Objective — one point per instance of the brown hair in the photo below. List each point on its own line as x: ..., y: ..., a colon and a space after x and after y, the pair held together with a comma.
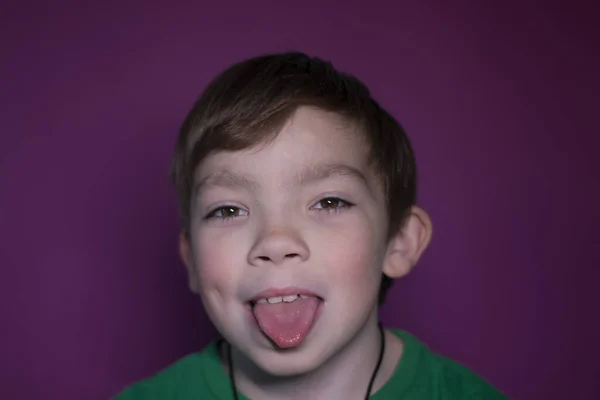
x: 249, y: 102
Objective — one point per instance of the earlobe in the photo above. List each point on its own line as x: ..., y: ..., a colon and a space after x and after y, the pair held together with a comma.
x: 185, y: 253
x: 407, y: 246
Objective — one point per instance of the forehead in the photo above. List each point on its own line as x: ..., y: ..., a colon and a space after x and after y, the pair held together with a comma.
x: 312, y: 146
x: 311, y: 139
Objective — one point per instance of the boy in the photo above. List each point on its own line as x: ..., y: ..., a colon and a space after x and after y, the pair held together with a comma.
x: 297, y: 199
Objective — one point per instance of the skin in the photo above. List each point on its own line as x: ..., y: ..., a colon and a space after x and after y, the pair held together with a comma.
x: 277, y: 216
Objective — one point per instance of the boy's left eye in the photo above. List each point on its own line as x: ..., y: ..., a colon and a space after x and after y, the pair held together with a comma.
x: 331, y: 204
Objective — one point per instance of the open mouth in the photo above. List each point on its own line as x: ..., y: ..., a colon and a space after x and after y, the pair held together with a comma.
x: 280, y: 299
x: 288, y: 319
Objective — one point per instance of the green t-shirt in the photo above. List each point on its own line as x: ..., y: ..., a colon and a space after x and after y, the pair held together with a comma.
x: 420, y: 375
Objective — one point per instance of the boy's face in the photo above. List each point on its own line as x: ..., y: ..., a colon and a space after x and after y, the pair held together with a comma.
x: 305, y: 211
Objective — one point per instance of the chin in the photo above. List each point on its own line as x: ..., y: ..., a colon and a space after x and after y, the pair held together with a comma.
x: 289, y: 363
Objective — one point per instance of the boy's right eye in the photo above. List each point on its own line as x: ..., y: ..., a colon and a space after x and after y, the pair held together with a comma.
x: 226, y: 212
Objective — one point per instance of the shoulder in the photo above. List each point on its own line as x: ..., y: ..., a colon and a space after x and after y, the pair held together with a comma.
x: 459, y: 382
x: 441, y: 377
x: 182, y: 379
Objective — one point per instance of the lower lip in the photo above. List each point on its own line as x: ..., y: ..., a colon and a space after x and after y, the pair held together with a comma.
x: 250, y: 315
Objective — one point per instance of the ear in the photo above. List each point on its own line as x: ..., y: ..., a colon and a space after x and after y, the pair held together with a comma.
x: 185, y: 252
x: 407, y: 245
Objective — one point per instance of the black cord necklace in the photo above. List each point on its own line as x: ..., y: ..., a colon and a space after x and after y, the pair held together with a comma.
x: 369, y: 388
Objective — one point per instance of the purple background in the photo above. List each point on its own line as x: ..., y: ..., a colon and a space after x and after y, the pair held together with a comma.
x: 500, y: 102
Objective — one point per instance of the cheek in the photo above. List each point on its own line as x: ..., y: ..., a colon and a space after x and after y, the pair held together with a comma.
x: 352, y: 259
x: 214, y: 260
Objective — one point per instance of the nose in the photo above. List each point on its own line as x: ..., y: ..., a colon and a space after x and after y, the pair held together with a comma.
x: 277, y: 247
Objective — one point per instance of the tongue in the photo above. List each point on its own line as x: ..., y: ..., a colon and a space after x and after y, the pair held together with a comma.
x: 287, y: 324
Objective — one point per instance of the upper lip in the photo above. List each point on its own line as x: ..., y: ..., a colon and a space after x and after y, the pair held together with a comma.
x: 280, y: 292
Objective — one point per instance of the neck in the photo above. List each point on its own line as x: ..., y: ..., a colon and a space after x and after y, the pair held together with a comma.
x: 345, y: 375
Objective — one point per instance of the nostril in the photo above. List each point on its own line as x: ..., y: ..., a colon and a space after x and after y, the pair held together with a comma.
x: 269, y: 259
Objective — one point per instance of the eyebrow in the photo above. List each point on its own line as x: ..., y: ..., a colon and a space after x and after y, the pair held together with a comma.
x: 230, y: 180
x: 323, y: 171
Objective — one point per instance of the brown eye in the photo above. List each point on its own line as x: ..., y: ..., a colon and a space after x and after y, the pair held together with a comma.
x: 227, y: 212
x: 331, y: 204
